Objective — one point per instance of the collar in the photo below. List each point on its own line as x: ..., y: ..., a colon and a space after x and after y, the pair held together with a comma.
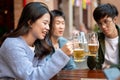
x: 101, y: 38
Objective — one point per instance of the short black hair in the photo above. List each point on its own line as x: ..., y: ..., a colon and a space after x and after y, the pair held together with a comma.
x: 103, y: 10
x: 56, y: 13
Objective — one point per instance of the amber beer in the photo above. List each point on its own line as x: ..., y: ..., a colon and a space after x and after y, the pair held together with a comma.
x: 78, y: 55
x: 93, y: 48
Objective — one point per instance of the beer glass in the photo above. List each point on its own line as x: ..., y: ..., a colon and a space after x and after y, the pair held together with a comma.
x: 93, y: 43
x: 78, y: 48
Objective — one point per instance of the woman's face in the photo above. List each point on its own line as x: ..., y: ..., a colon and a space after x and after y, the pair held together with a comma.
x: 58, y: 26
x: 41, y: 27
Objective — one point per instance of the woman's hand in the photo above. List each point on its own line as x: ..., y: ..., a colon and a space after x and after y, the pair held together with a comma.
x: 68, y: 48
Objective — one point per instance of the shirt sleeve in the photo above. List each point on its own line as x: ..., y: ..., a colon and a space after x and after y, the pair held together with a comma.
x: 20, y: 63
x: 70, y: 65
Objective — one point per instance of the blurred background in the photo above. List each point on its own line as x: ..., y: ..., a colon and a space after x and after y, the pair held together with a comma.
x: 78, y: 13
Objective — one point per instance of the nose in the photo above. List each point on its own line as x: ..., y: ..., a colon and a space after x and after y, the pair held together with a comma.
x: 47, y: 27
x: 62, y: 26
x: 103, y: 26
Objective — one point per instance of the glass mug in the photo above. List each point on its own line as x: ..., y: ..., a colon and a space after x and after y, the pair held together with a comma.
x: 78, y: 48
x: 93, y: 43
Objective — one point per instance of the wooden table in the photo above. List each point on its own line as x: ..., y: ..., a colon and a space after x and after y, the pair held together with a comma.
x: 84, y: 74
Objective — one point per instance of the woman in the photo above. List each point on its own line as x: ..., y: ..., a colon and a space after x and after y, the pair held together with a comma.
x: 17, y: 57
x: 55, y: 38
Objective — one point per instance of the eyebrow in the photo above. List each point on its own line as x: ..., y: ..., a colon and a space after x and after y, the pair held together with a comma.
x: 46, y: 20
x: 104, y: 19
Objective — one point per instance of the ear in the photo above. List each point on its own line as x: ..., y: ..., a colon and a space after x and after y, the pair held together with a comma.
x: 29, y: 22
x: 115, y: 19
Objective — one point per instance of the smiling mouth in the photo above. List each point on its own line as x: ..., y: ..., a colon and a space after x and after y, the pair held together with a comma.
x: 45, y: 32
x: 105, y: 30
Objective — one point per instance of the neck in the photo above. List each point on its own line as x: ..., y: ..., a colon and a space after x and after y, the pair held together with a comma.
x: 115, y: 34
x: 29, y: 39
x: 55, y: 42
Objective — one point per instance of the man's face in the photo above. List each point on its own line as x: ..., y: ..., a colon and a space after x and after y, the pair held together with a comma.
x: 58, y: 26
x: 107, y: 25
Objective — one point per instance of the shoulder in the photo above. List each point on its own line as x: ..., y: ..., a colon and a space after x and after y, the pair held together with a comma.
x: 13, y: 42
x: 15, y: 46
x: 63, y: 39
x: 100, y: 35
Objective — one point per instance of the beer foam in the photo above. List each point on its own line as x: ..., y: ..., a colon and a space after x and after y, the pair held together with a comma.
x: 93, y: 44
x: 78, y: 49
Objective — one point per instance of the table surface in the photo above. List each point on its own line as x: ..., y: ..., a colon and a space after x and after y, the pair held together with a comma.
x: 80, y: 74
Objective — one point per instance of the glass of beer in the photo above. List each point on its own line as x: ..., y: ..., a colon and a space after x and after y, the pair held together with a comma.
x: 78, y: 48
x: 93, y: 43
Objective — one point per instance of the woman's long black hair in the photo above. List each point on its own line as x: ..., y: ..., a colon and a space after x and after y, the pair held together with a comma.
x: 31, y: 12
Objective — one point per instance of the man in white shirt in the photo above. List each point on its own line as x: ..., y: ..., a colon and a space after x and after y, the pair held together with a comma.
x: 109, y: 53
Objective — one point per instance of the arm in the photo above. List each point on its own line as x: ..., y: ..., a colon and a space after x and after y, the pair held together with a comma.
x: 20, y: 62
x: 95, y: 62
x: 101, y: 51
x: 115, y: 65
x: 70, y: 65
x: 99, y: 59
